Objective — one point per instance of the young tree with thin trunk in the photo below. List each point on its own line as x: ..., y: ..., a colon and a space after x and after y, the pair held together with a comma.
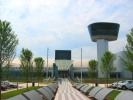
x: 26, y: 64
x: 8, y: 44
x: 7, y: 69
x: 128, y: 61
x: 107, y: 65
x: 39, y: 65
x: 92, y: 69
x: 8, y: 66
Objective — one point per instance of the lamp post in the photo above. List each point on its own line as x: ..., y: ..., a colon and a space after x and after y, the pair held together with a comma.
x: 47, y: 64
x: 81, y: 65
x: 17, y: 81
x: 32, y: 76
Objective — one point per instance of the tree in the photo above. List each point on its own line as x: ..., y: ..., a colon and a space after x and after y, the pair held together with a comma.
x: 128, y: 62
x: 7, y: 68
x: 8, y: 43
x: 39, y: 63
x: 26, y: 64
x: 92, y: 69
x: 107, y: 65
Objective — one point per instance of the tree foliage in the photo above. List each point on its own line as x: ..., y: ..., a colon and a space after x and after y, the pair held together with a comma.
x: 7, y: 69
x: 26, y: 64
x: 128, y: 62
x: 92, y: 69
x: 39, y: 65
x: 8, y: 43
x: 107, y: 65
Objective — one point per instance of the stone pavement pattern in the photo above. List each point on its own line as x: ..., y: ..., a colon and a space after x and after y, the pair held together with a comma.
x: 67, y: 92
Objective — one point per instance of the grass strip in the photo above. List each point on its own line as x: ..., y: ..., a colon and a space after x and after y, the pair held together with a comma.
x: 113, y: 94
x: 10, y: 94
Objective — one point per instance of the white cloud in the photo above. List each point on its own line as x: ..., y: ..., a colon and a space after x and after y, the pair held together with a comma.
x: 88, y: 52
x: 62, y: 24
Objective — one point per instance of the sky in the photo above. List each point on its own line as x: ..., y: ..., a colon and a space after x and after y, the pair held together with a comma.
x: 62, y: 25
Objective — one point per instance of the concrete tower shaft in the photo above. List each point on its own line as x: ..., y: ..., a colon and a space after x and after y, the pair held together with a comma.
x: 102, y: 32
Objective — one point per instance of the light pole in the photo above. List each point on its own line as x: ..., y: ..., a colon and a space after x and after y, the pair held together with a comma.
x: 47, y: 64
x: 81, y: 65
x: 32, y: 75
x: 17, y: 81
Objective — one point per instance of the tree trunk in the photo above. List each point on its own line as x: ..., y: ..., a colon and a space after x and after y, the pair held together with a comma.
x: 93, y: 82
x: 7, y: 77
x: 0, y: 78
x: 107, y: 82
x: 0, y: 84
x: 132, y: 75
x: 27, y: 84
x: 38, y: 81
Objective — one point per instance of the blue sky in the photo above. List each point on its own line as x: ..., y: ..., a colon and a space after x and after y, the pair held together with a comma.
x: 62, y: 24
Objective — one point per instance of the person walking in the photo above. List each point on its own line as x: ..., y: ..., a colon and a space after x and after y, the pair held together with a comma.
x: 60, y: 80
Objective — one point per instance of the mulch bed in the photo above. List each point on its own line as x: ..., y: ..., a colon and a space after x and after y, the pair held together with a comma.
x: 108, y: 99
x: 91, y: 98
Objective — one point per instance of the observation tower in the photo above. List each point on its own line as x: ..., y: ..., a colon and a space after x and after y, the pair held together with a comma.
x: 102, y: 32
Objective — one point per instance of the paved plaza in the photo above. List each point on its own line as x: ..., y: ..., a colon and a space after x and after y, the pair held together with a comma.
x: 67, y: 92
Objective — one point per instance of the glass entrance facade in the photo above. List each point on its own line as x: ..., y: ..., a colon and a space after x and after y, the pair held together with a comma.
x: 61, y: 55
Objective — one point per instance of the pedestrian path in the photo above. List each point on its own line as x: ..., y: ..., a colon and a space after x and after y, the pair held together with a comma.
x: 67, y: 92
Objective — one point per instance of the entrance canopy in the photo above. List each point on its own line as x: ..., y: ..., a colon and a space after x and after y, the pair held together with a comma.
x: 63, y: 64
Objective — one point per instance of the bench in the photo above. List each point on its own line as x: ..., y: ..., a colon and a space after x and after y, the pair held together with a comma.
x: 52, y: 88
x: 79, y: 86
x: 32, y: 95
x: 49, y: 90
x: 82, y: 88
x: 94, y: 91
x: 75, y: 84
x: 18, y: 97
x: 86, y: 89
x: 45, y: 94
x: 55, y: 85
x: 124, y: 95
x: 103, y: 93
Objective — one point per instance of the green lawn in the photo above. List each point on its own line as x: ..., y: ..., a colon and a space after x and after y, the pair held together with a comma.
x: 17, y: 92
x: 113, y: 94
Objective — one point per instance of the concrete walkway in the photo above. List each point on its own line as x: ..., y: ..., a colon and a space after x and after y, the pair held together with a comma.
x: 67, y: 92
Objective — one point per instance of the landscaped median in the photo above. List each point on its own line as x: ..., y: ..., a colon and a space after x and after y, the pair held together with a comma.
x: 10, y: 94
x: 113, y: 95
